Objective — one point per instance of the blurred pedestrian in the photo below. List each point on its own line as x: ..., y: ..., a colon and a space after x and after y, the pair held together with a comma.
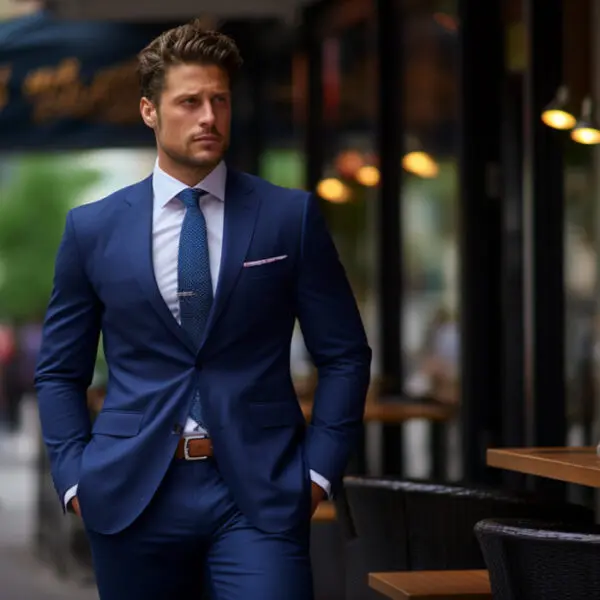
x: 10, y: 377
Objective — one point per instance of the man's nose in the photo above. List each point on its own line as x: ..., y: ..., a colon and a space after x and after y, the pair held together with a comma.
x: 207, y: 114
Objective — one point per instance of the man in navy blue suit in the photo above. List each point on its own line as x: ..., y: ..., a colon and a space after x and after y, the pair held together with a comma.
x: 199, y: 475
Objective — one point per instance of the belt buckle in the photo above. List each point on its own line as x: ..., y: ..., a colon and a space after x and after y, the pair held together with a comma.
x: 186, y: 447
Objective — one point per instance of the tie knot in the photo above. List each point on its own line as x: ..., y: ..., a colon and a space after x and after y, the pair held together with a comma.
x: 190, y: 197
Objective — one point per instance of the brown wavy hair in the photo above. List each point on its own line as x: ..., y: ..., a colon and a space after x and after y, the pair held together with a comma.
x: 186, y: 44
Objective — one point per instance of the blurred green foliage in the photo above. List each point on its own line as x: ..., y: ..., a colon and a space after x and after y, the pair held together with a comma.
x: 34, y: 202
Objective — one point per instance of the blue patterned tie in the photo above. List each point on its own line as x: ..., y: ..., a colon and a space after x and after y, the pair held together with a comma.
x: 194, y: 282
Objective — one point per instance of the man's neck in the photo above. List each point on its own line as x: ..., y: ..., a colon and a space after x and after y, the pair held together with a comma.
x: 191, y: 176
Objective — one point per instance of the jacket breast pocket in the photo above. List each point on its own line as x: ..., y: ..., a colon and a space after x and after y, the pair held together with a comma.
x: 278, y: 268
x: 117, y: 423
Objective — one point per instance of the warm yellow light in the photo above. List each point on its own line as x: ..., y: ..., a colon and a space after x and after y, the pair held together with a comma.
x: 586, y: 135
x: 558, y: 119
x: 421, y: 164
x: 333, y: 190
x: 368, y: 175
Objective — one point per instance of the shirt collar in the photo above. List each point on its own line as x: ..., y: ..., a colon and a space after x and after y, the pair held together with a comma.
x: 165, y: 187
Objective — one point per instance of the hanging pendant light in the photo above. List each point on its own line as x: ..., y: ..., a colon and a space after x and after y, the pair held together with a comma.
x: 586, y: 131
x: 558, y: 114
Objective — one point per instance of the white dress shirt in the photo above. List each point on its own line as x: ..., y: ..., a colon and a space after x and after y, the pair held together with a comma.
x: 167, y: 219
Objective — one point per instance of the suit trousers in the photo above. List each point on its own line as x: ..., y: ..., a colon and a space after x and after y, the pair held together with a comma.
x: 193, y: 543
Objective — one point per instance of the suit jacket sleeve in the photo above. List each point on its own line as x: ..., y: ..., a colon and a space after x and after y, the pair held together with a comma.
x: 66, y: 362
x: 336, y: 340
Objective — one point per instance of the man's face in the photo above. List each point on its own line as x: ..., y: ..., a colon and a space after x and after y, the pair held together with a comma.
x: 192, y: 120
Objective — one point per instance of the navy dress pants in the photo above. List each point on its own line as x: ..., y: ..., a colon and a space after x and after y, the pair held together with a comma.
x: 193, y: 543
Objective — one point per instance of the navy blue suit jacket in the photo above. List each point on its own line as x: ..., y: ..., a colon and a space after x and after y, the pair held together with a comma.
x: 104, y: 282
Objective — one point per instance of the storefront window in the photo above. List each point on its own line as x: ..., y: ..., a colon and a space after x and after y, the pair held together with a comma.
x: 431, y: 342
x: 580, y: 234
x: 283, y: 114
x: 350, y: 175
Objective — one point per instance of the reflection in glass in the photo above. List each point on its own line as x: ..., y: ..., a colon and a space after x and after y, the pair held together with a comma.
x: 351, y: 174
x: 431, y: 341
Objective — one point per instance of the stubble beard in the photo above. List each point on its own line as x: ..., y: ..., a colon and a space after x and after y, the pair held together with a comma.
x: 190, y: 162
x: 185, y: 161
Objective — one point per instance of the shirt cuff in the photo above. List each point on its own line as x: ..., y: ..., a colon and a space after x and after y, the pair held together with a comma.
x: 69, y: 495
x: 321, y: 482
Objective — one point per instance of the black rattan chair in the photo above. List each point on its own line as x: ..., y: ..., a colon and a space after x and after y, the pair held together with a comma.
x: 532, y: 560
x: 441, y: 519
x: 409, y: 526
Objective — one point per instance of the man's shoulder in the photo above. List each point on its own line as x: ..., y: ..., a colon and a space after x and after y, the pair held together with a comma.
x: 98, y: 210
x: 272, y: 192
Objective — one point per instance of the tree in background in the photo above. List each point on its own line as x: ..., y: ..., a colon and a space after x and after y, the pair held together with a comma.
x: 33, y: 206
x: 34, y: 201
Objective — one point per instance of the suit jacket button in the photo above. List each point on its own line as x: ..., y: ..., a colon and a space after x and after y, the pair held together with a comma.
x: 177, y: 429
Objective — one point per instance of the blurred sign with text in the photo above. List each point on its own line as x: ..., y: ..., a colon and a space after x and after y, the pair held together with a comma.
x: 71, y: 84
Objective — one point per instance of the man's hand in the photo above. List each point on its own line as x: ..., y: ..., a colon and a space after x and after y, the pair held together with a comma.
x: 75, y: 506
x: 317, y: 495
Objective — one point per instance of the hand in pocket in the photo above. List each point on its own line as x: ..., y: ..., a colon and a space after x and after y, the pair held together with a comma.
x: 75, y: 506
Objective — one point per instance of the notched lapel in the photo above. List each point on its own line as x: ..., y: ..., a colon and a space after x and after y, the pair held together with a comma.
x: 137, y: 228
x: 241, y: 210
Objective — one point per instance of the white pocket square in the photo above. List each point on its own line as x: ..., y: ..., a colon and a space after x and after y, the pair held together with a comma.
x: 265, y: 261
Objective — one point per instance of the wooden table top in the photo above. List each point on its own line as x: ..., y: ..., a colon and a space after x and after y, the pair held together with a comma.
x: 433, y: 585
x: 579, y: 465
x: 397, y: 412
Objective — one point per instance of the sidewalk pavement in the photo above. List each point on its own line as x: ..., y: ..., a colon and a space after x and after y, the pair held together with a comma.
x: 23, y: 577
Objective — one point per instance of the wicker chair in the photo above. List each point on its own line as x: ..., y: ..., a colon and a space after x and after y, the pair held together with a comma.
x: 534, y: 560
x: 410, y: 526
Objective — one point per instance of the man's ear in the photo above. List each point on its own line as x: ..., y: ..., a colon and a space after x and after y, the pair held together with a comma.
x: 148, y: 112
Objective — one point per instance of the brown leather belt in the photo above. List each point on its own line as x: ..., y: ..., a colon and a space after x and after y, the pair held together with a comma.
x: 194, y: 448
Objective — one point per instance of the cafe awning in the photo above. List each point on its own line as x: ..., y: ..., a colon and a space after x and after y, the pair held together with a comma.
x: 70, y: 84
x: 157, y: 10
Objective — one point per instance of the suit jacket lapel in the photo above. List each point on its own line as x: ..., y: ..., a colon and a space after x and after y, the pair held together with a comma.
x: 241, y: 210
x: 137, y: 231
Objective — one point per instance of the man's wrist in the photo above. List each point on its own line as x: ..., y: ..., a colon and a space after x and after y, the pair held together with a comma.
x: 323, y: 483
x: 68, y: 497
x: 318, y: 490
